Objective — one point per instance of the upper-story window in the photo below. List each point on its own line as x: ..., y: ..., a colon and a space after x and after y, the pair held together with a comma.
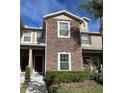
x: 64, y: 29
x: 26, y: 36
x: 85, y: 39
x: 84, y: 25
x: 39, y: 37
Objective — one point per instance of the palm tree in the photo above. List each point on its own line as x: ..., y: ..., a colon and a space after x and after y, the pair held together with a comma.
x: 95, y: 7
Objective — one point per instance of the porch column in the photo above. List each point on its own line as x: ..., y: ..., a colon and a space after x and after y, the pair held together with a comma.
x: 30, y: 62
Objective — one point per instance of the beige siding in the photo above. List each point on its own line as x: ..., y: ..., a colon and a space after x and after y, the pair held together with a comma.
x: 62, y: 17
x: 95, y: 42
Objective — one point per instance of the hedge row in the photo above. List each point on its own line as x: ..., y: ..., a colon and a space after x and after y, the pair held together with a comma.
x: 69, y: 76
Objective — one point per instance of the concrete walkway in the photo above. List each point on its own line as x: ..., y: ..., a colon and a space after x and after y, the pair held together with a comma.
x: 22, y: 78
x: 37, y: 84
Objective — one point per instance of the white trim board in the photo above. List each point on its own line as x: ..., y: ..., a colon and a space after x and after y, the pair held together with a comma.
x: 64, y: 11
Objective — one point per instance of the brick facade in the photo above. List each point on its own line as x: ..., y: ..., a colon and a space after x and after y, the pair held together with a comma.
x: 56, y: 44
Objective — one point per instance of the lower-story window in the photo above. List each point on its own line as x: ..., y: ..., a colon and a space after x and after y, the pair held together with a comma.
x: 64, y: 61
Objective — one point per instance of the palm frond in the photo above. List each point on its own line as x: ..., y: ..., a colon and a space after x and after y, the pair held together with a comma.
x: 94, y: 7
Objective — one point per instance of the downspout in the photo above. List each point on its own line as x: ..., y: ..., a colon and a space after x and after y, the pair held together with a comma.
x: 81, y: 49
x: 46, y: 47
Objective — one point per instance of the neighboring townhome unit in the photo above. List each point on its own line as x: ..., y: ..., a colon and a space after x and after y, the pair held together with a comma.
x: 64, y: 43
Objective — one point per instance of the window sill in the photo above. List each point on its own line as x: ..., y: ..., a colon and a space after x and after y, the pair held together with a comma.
x: 64, y: 70
x: 85, y: 44
x: 22, y: 41
x: 63, y: 36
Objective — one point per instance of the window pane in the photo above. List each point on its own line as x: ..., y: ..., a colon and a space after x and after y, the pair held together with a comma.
x: 61, y: 57
x: 63, y: 26
x: 85, y: 39
x: 39, y: 37
x: 64, y: 30
x: 27, y: 33
x: 64, y: 57
x: 39, y: 34
x: 64, y: 66
x: 27, y: 36
x: 95, y: 61
x: 64, y: 61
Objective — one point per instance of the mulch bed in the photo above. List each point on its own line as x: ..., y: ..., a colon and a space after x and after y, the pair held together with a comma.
x: 75, y: 84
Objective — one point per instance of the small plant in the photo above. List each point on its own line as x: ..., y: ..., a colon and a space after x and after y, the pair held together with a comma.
x: 27, y: 73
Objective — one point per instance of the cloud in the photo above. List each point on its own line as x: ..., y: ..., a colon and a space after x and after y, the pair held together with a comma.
x: 34, y: 10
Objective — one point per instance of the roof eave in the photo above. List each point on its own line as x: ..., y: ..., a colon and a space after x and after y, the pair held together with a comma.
x: 62, y: 12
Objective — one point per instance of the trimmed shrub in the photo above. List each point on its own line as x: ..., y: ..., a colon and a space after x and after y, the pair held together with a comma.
x: 98, y: 77
x: 53, y: 77
x: 56, y: 77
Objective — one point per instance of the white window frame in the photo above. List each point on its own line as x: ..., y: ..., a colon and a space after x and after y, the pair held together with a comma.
x: 59, y: 29
x: 97, y: 59
x: 36, y: 36
x: 69, y: 54
x: 23, y: 37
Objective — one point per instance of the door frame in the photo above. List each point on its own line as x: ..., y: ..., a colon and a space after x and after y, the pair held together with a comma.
x: 42, y: 62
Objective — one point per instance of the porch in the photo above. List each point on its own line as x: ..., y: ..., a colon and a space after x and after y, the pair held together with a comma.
x: 34, y: 58
x: 92, y: 59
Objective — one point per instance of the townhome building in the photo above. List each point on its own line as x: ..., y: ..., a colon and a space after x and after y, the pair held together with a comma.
x: 63, y: 43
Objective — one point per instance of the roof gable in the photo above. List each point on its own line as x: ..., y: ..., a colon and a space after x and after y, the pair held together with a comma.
x: 64, y: 12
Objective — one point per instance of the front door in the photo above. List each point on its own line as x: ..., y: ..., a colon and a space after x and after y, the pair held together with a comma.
x: 38, y: 63
x: 23, y: 62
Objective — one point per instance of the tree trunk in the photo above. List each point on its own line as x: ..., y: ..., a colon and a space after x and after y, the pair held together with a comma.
x: 101, y: 29
x: 101, y: 26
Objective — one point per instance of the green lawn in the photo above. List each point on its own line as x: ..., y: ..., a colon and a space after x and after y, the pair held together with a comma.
x: 83, y: 89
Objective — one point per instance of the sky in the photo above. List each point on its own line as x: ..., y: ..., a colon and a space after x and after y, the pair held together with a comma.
x: 32, y: 11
